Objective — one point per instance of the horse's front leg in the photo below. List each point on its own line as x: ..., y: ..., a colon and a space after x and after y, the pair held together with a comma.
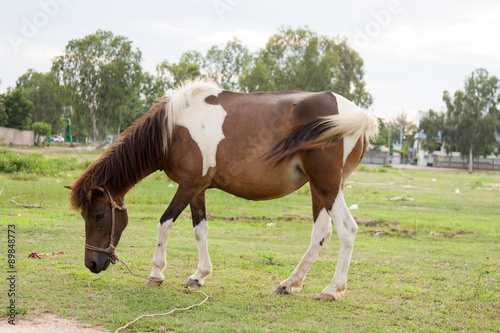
x: 156, y: 276
x: 182, y: 197
x: 200, y: 230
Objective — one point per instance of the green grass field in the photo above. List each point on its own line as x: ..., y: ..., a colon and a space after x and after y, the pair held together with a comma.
x: 430, y: 264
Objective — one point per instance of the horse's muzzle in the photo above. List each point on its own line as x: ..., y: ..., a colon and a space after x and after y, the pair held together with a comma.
x: 98, y: 263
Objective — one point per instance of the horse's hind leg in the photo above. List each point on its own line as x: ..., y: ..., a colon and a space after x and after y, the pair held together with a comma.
x: 322, y: 230
x: 346, y: 229
x: 327, y: 173
x: 200, y: 230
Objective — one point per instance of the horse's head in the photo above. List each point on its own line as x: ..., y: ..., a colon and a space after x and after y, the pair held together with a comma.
x: 105, y: 221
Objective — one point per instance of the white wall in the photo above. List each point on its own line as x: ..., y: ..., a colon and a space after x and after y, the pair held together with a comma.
x: 16, y: 137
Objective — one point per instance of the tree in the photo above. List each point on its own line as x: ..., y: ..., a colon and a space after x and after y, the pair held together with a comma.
x: 100, y: 73
x: 223, y: 66
x: 301, y: 60
x: 151, y: 89
x: 472, y: 116
x: 400, y: 127
x: 43, y: 90
x: 41, y: 129
x: 3, y: 114
x: 293, y: 59
x: 188, y: 67
x: 383, y: 136
x: 18, y: 110
x: 432, y: 125
x: 226, y: 65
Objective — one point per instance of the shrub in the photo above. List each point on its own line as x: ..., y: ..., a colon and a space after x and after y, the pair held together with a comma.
x: 41, y: 129
x: 11, y: 162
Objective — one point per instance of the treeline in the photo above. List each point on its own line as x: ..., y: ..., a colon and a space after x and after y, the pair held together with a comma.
x: 99, y: 84
x: 471, y: 123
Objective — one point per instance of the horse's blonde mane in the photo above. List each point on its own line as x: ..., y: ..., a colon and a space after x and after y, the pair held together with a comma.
x: 177, y: 100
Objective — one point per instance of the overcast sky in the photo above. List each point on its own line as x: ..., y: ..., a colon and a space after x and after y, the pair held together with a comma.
x: 413, y: 50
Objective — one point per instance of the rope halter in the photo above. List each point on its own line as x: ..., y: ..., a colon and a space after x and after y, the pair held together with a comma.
x: 110, y: 250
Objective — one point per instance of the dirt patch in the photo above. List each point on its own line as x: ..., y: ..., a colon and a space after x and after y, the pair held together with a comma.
x: 286, y: 216
x: 368, y: 223
x: 47, y: 323
x: 414, y: 207
x: 392, y: 185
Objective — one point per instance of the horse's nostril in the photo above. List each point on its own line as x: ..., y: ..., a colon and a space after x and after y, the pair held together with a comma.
x: 91, y: 265
x: 106, y: 264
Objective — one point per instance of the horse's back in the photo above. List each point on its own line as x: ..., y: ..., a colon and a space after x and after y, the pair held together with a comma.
x: 252, y: 124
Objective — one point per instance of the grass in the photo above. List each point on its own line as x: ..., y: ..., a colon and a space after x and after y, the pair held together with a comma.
x: 435, y: 269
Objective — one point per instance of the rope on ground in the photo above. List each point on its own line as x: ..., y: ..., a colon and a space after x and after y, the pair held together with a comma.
x: 166, y: 313
x: 28, y: 206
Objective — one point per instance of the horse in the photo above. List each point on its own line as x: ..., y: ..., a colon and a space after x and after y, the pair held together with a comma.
x: 257, y: 146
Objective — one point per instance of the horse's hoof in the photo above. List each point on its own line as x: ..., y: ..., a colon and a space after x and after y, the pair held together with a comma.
x: 191, y: 283
x: 324, y: 297
x: 281, y: 290
x: 154, y: 282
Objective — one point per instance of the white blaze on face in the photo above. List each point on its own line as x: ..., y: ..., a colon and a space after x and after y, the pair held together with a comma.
x: 345, y: 106
x: 204, y: 122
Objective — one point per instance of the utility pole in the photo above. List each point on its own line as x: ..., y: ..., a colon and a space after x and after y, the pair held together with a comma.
x: 389, y: 141
x: 389, y: 138
x: 401, y: 134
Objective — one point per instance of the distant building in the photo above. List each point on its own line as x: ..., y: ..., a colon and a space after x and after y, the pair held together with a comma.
x: 439, y: 158
x: 425, y: 158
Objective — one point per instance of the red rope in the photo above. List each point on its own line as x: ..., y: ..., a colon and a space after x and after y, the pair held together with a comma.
x: 39, y: 255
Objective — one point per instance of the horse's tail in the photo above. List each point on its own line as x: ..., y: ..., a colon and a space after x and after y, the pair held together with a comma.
x: 319, y: 133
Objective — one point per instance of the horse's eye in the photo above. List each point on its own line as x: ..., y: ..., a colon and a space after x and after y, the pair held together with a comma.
x: 99, y: 217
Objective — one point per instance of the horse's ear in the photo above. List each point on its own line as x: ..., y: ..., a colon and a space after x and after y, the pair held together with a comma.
x: 97, y: 190
x: 68, y: 187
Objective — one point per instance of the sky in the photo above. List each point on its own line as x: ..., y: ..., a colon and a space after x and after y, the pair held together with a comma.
x: 412, y: 50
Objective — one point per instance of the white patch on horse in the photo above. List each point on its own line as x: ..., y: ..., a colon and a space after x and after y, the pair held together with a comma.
x: 204, y: 123
x: 204, y: 264
x: 160, y: 255
x: 346, y: 230
x: 345, y: 106
x: 322, y: 230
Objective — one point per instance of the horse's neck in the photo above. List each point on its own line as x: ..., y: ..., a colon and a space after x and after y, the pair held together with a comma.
x: 127, y: 166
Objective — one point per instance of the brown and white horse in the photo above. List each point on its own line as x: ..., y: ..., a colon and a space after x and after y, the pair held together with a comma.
x: 257, y: 146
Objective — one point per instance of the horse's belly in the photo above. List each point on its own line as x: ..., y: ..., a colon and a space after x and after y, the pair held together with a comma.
x: 255, y: 181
